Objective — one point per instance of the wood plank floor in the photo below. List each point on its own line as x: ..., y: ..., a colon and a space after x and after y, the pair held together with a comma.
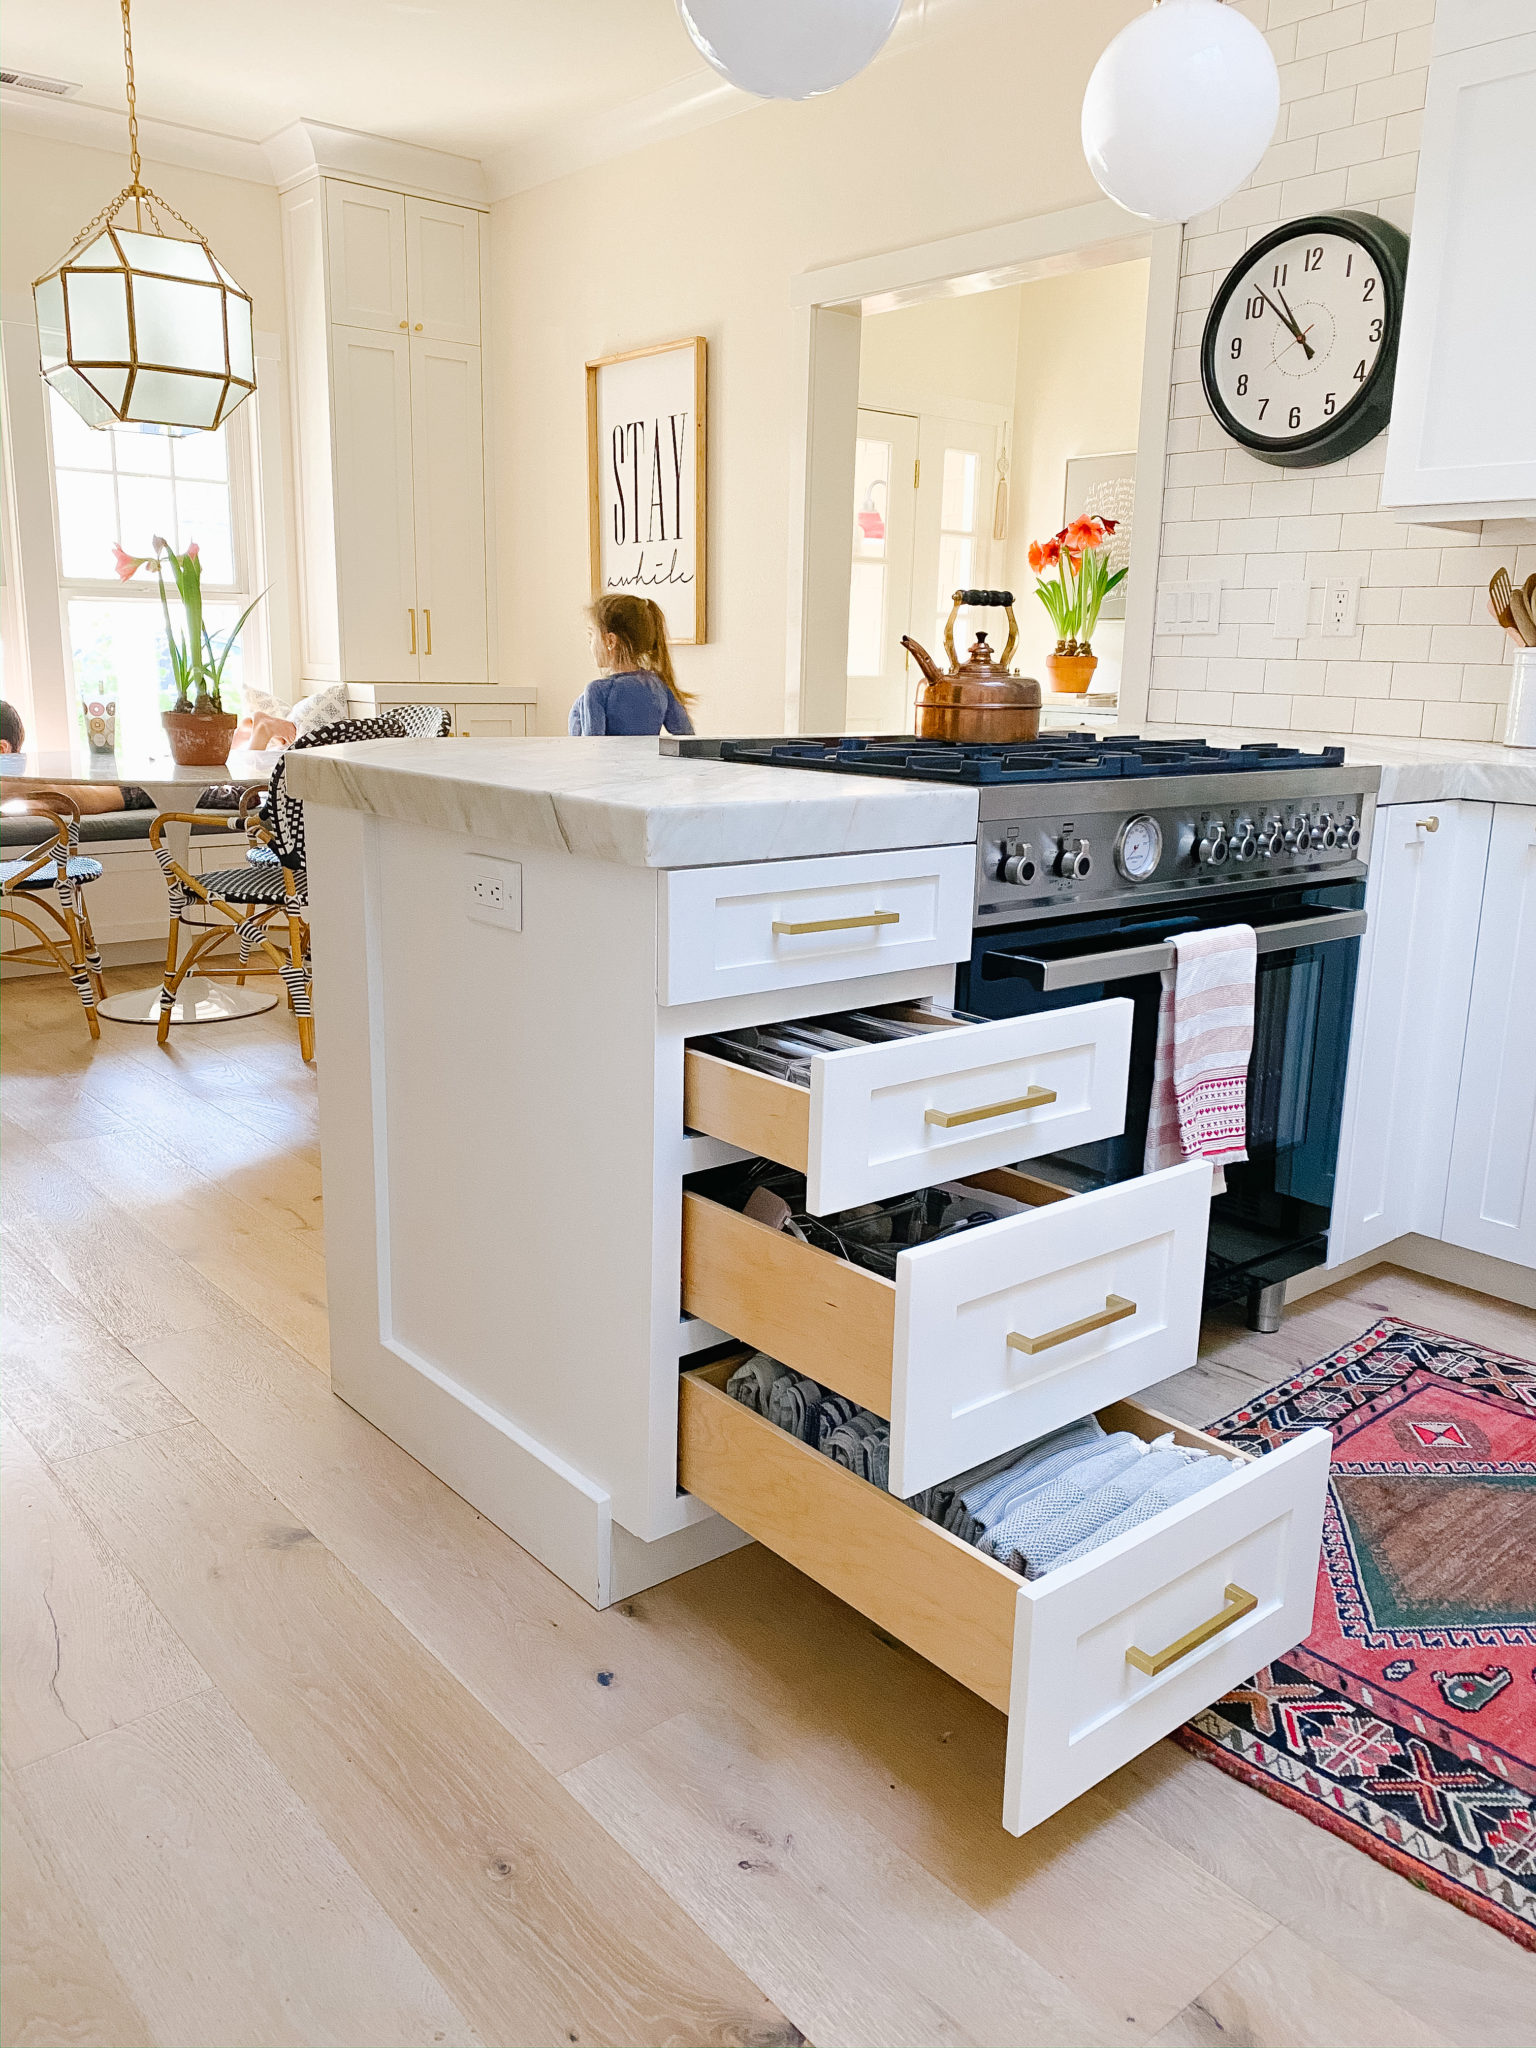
x: 298, y: 1748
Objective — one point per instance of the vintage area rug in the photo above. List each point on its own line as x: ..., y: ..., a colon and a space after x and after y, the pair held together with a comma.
x: 1406, y: 1722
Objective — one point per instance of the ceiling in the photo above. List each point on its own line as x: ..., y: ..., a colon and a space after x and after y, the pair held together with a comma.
x: 469, y: 76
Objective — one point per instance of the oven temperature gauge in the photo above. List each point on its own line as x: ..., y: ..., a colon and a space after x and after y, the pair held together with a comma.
x: 1139, y: 848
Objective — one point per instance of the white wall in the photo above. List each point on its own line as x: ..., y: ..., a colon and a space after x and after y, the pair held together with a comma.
x: 1427, y: 659
x: 922, y: 357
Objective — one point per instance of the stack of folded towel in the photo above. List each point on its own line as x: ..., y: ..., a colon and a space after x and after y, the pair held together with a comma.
x: 1033, y: 1509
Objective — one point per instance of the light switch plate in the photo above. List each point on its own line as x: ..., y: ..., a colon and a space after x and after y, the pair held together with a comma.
x: 1189, y: 608
x: 495, y: 891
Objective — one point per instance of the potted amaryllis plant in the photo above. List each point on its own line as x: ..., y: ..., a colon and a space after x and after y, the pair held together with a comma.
x: 1074, y: 580
x: 197, y: 725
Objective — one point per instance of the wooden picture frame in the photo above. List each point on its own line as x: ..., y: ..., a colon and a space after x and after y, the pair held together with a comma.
x: 647, y: 452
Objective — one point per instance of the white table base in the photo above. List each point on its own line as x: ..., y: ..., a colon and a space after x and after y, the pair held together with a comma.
x: 199, y: 1001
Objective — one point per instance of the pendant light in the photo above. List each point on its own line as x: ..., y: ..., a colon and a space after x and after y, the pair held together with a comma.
x: 141, y: 327
x: 789, y: 49
x: 1180, y: 108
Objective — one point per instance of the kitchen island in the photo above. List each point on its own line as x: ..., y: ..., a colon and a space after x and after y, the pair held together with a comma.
x: 542, y: 1274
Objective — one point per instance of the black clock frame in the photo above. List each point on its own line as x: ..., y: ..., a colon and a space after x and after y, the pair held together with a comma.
x: 1369, y: 410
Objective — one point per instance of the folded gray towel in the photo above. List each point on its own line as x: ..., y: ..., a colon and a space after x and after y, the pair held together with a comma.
x: 753, y: 1380
x: 1047, y: 1469
x: 1090, y: 1468
x: 1049, y: 1532
x: 857, y: 1443
x: 835, y: 1409
x: 794, y: 1404
x: 1204, y: 1469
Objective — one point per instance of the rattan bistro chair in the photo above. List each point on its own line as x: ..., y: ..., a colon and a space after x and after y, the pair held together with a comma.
x: 51, y: 879
x: 261, y: 908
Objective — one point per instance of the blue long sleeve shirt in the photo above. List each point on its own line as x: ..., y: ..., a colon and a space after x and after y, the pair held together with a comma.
x: 634, y: 701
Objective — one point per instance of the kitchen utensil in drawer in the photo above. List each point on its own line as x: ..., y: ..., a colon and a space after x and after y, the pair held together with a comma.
x: 793, y: 923
x: 1062, y: 1655
x: 878, y: 1119
x: 932, y: 1348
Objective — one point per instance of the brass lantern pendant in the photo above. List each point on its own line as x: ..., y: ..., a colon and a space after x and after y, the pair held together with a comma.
x: 141, y: 327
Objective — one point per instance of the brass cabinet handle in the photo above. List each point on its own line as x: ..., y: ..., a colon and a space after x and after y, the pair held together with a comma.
x: 1238, y: 1603
x: 1115, y: 1310
x: 837, y: 924
x: 1426, y: 824
x: 411, y: 610
x: 427, y: 615
x: 946, y: 1119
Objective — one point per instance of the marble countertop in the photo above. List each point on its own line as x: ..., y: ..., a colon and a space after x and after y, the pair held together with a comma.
x: 1412, y: 771
x: 620, y: 800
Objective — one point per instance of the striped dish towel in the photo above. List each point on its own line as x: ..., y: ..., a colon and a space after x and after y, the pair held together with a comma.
x: 1204, y: 1039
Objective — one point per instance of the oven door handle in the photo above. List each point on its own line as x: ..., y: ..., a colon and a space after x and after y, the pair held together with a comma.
x: 1079, y: 970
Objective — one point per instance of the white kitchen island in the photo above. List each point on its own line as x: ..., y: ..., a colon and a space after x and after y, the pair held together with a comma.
x: 515, y: 943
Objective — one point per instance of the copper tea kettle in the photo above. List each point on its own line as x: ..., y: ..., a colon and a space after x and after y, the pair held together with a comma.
x: 980, y: 698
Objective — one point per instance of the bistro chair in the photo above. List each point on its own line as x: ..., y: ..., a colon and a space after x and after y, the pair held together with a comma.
x: 51, y: 879
x: 261, y: 908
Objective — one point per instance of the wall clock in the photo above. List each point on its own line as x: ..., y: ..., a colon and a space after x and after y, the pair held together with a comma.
x: 1300, y: 347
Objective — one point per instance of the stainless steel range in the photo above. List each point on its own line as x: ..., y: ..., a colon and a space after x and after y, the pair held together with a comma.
x: 1091, y: 855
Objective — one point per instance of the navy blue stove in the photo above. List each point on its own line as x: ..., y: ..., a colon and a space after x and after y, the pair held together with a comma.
x: 1092, y: 853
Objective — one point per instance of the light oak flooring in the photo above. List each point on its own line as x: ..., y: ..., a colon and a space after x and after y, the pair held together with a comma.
x: 298, y: 1748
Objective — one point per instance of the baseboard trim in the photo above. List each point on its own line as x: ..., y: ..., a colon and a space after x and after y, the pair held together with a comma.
x: 1478, y: 1271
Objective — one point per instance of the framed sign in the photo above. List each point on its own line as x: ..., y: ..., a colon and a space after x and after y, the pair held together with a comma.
x: 645, y: 479
x: 1105, y: 484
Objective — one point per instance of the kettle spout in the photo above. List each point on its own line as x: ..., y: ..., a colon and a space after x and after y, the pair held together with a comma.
x: 922, y: 657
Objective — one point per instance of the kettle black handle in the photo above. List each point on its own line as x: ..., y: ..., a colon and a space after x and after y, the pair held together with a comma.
x: 1001, y: 598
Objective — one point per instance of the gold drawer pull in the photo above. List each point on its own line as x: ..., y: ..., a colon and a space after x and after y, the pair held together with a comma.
x: 946, y: 1119
x: 837, y: 924
x: 1238, y: 1603
x: 1426, y: 824
x: 1115, y: 1310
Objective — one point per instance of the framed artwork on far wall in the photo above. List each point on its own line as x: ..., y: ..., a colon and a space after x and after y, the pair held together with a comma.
x: 1106, y: 485
x: 646, y: 449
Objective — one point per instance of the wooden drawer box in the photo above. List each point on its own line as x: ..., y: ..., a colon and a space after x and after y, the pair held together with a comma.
x: 984, y: 1340
x: 1233, y: 1569
x: 879, y: 1119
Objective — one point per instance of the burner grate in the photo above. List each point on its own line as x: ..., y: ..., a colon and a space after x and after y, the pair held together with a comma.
x: 1062, y: 757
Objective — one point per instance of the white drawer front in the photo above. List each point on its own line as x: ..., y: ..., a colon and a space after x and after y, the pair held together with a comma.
x: 961, y: 1391
x: 878, y: 1114
x: 793, y: 923
x: 1079, y: 1708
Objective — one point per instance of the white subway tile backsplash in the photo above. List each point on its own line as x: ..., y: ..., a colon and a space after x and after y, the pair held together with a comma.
x: 1436, y: 605
x: 1404, y: 567
x: 1460, y: 722
x: 1284, y: 160
x: 1222, y: 501
x: 1179, y: 502
x: 1206, y: 467
x: 1235, y: 674
x: 1283, y: 11
x: 1395, y: 643
x: 1330, y: 30
x: 1304, y: 77
x: 1354, y: 63
x: 1379, y: 607
x: 1394, y: 720
x: 1322, y: 714
x: 1191, y: 536
x: 1334, y: 493
x: 1467, y: 643
x: 1403, y: 132
x: 1204, y: 707
x: 1371, y: 530
x: 1359, y: 679
x: 1323, y: 192
x: 1428, y: 681
x: 1248, y: 536
x: 1485, y: 682
x: 1377, y: 180
x: 1308, y: 678
x: 1312, y: 530
x: 1400, y: 93
x: 1265, y: 572
x: 1322, y: 111
x: 1414, y: 48
x: 1361, y: 144
x: 1387, y: 17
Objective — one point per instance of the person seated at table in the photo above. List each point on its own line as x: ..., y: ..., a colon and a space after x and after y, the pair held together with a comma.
x: 637, y: 691
x: 91, y: 798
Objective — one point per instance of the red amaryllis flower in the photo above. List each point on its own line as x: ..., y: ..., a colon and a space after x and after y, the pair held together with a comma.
x: 1084, y: 532
x: 126, y: 565
x: 1044, y: 556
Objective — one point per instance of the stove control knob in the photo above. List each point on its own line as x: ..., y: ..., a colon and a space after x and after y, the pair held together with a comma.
x: 1245, y: 843
x: 1073, y: 861
x: 1349, y: 833
x: 1271, y: 837
x: 1214, y: 846
x: 1327, y: 831
x: 1298, y: 836
x: 1017, y: 867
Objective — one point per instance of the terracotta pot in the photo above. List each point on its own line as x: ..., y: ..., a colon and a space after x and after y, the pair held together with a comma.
x: 1071, y: 673
x: 199, y: 740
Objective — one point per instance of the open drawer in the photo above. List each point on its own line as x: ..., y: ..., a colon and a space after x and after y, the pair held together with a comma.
x: 1205, y: 1593
x: 984, y: 1340
x: 879, y: 1119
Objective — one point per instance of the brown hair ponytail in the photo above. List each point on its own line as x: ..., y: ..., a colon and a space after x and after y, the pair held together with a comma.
x: 639, y: 626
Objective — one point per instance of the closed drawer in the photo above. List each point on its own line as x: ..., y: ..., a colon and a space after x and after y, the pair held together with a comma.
x: 792, y: 923
x: 879, y: 1119
x: 1224, y: 1581
x: 984, y: 1340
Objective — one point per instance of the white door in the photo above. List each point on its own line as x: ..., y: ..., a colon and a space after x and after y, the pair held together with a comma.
x: 1490, y: 1203
x: 381, y: 627
x: 365, y: 251
x: 956, y: 495
x: 881, y: 677
x: 1405, y: 1049
x: 442, y: 270
x: 449, y: 471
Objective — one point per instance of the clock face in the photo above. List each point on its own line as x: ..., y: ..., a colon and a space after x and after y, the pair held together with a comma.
x: 1140, y: 848
x: 1301, y: 342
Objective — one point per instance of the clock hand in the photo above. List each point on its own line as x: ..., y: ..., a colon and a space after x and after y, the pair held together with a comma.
x: 1294, y: 324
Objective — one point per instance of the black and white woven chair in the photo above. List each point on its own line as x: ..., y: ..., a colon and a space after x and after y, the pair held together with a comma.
x: 51, y: 880
x: 239, y: 905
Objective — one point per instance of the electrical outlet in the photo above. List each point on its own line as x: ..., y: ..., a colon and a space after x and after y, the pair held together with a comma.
x: 1341, y: 601
x: 495, y: 891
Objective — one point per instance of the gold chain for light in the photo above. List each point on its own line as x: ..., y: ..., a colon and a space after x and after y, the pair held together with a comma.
x: 136, y: 185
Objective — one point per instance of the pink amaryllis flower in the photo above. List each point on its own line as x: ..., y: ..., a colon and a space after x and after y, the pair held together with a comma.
x: 126, y: 565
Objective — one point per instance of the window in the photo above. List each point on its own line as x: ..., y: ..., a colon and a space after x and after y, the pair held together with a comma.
x: 124, y: 485
x: 957, y: 532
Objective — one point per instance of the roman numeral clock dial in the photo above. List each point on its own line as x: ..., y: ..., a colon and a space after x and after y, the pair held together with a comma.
x: 1300, y: 346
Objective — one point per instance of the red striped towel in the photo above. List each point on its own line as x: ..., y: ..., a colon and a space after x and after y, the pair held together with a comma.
x: 1204, y: 1039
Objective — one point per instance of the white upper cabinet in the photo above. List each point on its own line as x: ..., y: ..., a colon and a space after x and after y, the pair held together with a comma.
x: 442, y: 270
x: 1462, y: 443
x: 376, y: 568
x: 1490, y: 1203
x: 365, y: 242
x: 447, y: 466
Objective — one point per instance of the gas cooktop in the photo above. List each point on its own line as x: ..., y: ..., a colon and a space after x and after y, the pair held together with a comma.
x: 1056, y: 757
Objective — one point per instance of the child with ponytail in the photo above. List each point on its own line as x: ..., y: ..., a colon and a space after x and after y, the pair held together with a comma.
x: 637, y: 691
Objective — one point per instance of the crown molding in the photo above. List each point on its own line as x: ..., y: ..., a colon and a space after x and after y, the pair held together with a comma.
x: 162, y: 142
x: 306, y: 149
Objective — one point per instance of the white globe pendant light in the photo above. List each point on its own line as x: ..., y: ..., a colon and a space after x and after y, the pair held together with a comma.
x: 1180, y: 108
x: 789, y: 49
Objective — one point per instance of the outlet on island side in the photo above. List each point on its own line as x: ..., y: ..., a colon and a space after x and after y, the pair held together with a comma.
x: 495, y: 891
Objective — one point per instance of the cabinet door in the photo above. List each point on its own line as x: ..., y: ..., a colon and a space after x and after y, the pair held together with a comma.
x: 365, y: 243
x: 1464, y: 407
x: 1491, y: 1197
x: 442, y: 270
x: 1410, y: 1019
x: 449, y: 465
x: 381, y: 628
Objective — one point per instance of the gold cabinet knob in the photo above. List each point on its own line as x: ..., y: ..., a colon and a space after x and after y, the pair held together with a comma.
x: 418, y: 326
x: 1426, y: 824
x: 402, y: 327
